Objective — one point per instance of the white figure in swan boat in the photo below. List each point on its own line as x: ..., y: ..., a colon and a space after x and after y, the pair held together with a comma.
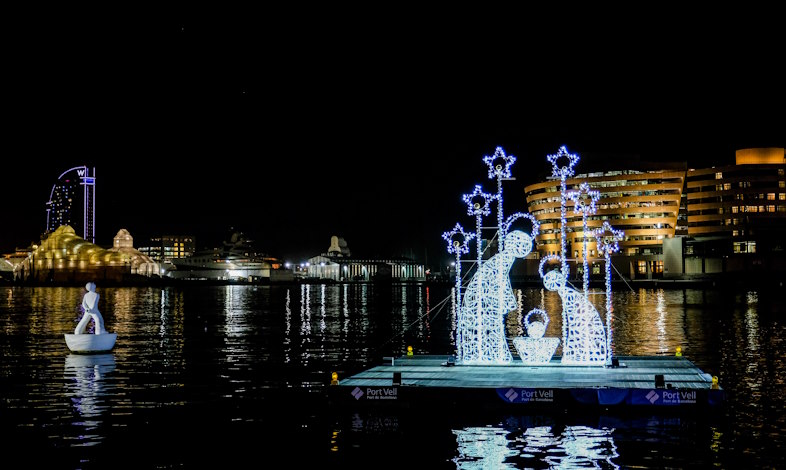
x: 81, y: 341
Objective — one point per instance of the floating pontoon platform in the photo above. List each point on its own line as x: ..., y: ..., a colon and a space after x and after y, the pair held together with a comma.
x: 635, y: 382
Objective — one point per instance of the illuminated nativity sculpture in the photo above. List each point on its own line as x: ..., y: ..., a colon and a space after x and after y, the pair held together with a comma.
x: 488, y: 296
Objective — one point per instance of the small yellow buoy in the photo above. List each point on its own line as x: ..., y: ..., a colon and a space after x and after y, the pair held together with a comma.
x: 715, y: 382
x: 679, y: 351
x: 334, y: 378
x: 409, y: 351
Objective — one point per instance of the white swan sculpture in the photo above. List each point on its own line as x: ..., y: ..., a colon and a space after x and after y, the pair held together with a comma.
x: 101, y: 341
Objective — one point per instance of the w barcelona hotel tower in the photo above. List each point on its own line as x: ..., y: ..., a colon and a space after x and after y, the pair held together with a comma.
x: 72, y: 202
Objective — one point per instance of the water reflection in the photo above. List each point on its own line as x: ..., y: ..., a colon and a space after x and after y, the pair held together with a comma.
x: 482, y: 447
x: 510, y: 446
x: 87, y: 387
x: 223, y: 353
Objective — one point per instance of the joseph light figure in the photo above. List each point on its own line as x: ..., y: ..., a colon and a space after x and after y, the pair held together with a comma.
x: 488, y: 299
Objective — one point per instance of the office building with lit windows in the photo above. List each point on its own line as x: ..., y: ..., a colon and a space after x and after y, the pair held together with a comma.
x: 168, y: 247
x: 678, y: 221
x: 737, y: 215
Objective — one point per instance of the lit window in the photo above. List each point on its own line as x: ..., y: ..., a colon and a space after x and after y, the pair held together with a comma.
x: 780, y: 171
x: 782, y: 184
x: 745, y: 247
x: 770, y: 196
x: 735, y: 233
x: 770, y: 208
x: 782, y: 196
x: 726, y: 186
x: 657, y: 266
x: 734, y: 209
x: 719, y: 175
x: 642, y: 269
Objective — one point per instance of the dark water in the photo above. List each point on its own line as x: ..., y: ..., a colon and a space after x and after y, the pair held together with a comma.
x: 235, y: 376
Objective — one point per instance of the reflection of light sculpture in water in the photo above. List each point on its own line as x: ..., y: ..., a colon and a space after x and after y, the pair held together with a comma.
x: 489, y: 297
x: 88, y: 373
x: 575, y: 447
x: 585, y: 342
x: 482, y: 448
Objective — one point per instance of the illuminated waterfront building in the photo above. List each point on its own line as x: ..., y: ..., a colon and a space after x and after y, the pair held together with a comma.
x: 677, y: 221
x: 645, y: 204
x: 338, y: 265
x: 736, y: 215
x: 72, y: 202
x: 63, y: 256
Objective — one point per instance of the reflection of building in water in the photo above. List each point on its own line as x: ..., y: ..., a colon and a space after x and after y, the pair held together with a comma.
x: 495, y: 447
x: 338, y: 265
x: 63, y: 256
x: 87, y: 386
x: 677, y: 221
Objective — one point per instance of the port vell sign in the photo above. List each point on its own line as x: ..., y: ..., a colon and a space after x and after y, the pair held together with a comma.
x: 663, y: 397
x: 526, y: 395
x: 375, y: 393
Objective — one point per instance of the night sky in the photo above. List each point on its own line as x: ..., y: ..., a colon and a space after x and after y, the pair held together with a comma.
x: 293, y: 130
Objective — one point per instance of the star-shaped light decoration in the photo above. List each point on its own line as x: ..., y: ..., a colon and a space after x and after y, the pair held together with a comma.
x: 475, y: 207
x: 455, y: 246
x: 565, y: 171
x: 608, y: 238
x: 500, y: 169
x: 520, y: 215
x: 584, y: 199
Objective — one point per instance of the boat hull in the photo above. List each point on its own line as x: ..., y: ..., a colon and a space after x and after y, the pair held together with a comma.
x: 87, y: 343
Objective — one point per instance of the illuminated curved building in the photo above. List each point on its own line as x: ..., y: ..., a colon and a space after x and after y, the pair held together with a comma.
x: 72, y: 202
x: 645, y: 204
x: 677, y: 221
x: 64, y: 257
